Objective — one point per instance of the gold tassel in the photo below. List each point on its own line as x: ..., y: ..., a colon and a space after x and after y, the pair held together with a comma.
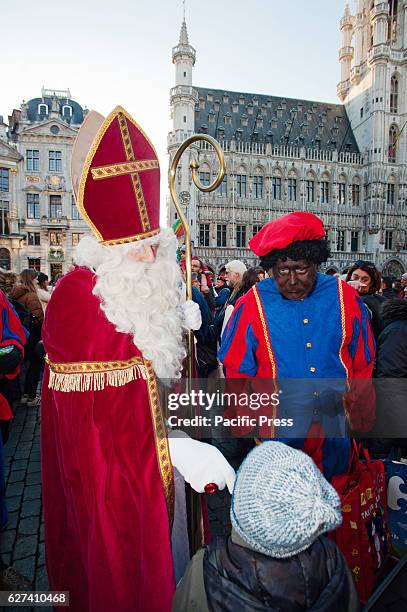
x: 95, y: 381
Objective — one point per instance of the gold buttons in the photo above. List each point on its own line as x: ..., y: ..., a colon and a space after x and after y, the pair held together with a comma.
x: 305, y: 321
x: 312, y: 369
x: 308, y: 345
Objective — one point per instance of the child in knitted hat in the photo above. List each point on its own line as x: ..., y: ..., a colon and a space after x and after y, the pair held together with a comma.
x: 276, y: 557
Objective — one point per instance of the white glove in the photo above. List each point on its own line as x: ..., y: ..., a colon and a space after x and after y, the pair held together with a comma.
x: 200, y: 463
x: 192, y: 315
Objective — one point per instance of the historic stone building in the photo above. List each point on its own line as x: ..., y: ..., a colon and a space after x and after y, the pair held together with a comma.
x: 344, y: 162
x: 44, y: 224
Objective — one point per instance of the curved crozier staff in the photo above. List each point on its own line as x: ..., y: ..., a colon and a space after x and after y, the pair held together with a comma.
x: 194, y: 166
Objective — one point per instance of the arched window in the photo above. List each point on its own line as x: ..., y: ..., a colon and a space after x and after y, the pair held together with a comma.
x: 5, y: 259
x: 394, y: 92
x: 342, y: 189
x: 258, y: 183
x: 393, y: 137
x: 356, y: 191
x: 42, y: 109
x: 67, y: 110
x: 325, y: 191
x: 276, y: 184
x: 205, y: 175
x: 310, y: 188
x: 292, y: 186
x: 391, y: 191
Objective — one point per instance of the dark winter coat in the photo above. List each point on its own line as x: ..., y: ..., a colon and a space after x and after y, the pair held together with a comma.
x: 391, y: 370
x: 28, y: 299
x: 375, y: 305
x: 227, y: 576
x: 392, y: 345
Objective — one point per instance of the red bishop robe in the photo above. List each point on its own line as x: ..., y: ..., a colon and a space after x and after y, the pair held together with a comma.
x: 107, y: 476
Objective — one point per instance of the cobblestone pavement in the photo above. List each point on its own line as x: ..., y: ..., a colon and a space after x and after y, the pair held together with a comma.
x: 22, y: 543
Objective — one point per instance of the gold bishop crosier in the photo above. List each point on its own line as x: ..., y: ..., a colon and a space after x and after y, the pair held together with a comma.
x: 195, y: 526
x: 194, y: 166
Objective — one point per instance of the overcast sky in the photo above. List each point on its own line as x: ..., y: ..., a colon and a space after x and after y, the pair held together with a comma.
x: 110, y: 53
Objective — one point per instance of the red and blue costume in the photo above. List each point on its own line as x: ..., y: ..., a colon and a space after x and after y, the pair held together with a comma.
x: 323, y: 341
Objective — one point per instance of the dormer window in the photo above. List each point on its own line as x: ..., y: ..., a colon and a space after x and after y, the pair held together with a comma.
x: 279, y: 112
x: 67, y: 111
x: 209, y: 96
x: 250, y: 108
x: 225, y: 98
x: 241, y: 100
x: 255, y: 101
x: 259, y: 122
x: 43, y: 109
x: 274, y: 123
x: 235, y: 107
x: 283, y: 105
x: 228, y: 119
x: 216, y: 105
x: 202, y: 103
x: 211, y: 116
x: 244, y: 120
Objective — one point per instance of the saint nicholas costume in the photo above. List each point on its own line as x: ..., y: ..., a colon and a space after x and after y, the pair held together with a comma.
x: 107, y: 475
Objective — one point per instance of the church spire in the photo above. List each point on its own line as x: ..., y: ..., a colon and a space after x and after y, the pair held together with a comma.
x: 183, y: 35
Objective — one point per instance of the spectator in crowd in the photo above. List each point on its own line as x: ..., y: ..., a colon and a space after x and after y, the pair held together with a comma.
x: 25, y: 293
x: 42, y: 290
x: 392, y: 345
x: 277, y: 556
x: 391, y: 362
x: 366, y: 279
x: 12, y: 340
x: 7, y: 280
x: 261, y: 274
x: 403, y: 289
x: 222, y: 291
x: 387, y: 289
x: 234, y: 274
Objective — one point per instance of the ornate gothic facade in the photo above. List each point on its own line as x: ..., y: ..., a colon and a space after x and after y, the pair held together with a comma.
x: 345, y: 162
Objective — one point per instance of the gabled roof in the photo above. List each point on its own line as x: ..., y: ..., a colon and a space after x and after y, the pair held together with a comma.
x: 281, y: 121
x: 45, y: 126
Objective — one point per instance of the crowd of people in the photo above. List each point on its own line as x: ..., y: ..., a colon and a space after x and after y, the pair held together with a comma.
x: 115, y: 519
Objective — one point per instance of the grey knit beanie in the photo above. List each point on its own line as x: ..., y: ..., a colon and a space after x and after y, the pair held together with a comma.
x: 281, y: 502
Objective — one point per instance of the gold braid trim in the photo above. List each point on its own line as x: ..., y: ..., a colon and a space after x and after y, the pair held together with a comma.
x: 269, y: 350
x: 265, y: 332
x: 343, y: 326
x: 94, y: 375
x: 161, y: 441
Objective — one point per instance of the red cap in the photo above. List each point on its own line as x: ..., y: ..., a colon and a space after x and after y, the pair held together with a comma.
x: 119, y: 189
x: 285, y: 230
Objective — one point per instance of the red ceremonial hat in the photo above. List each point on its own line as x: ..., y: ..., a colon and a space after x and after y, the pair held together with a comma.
x: 285, y: 230
x: 119, y: 187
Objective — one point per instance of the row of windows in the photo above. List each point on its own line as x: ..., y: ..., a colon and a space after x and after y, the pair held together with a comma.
x: 292, y: 190
x: 241, y: 237
x: 55, y: 238
x: 32, y: 161
x: 55, y: 207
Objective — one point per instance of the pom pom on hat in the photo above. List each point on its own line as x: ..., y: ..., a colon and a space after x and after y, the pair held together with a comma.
x: 282, y: 232
x: 281, y: 502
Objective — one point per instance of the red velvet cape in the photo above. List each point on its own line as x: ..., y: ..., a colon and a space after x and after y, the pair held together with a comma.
x: 107, y: 526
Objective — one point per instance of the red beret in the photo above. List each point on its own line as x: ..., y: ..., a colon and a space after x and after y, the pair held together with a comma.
x: 285, y: 230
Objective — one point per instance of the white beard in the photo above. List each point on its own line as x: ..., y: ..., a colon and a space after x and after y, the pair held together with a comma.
x: 141, y: 299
